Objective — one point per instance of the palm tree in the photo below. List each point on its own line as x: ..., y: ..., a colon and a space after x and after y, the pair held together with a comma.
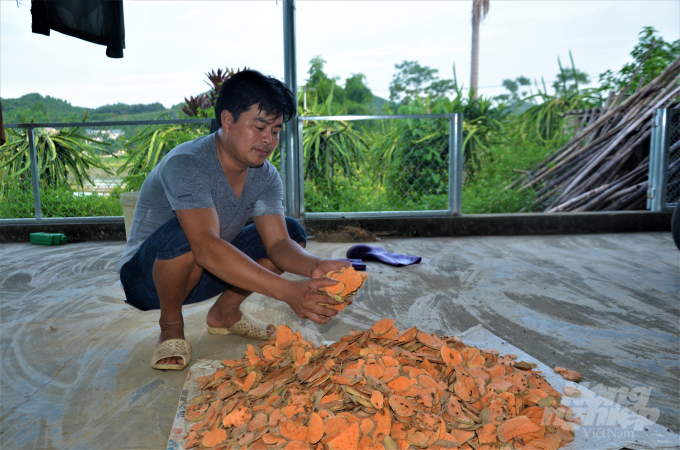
x: 480, y: 8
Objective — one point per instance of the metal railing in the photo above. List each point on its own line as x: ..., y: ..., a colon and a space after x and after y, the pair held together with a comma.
x: 377, y: 166
x: 406, y: 168
x: 68, y: 171
x: 663, y: 190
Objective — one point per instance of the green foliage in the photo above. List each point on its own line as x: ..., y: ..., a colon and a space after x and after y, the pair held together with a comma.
x: 519, y: 98
x: 414, y: 81
x: 567, y: 83
x: 61, y: 155
x: 392, y: 165
x: 482, y: 120
x: 420, y: 165
x: 355, y: 98
x: 149, y: 146
x: 203, y: 105
x: 417, y: 162
x: 36, y: 108
x: 330, y: 147
x: 545, y: 119
x: 359, y: 96
x: 483, y: 192
x: 486, y: 193
x: 403, y: 164
x: 661, y: 55
x: 120, y: 111
x: 321, y: 89
x: 363, y: 194
x: 513, y: 85
x: 57, y: 201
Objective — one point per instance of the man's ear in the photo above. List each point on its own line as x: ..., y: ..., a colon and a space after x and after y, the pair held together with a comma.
x: 227, y: 120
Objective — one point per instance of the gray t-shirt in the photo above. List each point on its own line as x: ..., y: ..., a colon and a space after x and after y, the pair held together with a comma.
x: 190, y: 176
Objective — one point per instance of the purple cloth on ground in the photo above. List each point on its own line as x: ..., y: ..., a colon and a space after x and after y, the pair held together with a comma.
x: 393, y: 259
x: 357, y: 264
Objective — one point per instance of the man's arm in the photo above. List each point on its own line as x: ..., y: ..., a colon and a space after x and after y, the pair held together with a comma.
x: 286, y: 254
x: 223, y: 260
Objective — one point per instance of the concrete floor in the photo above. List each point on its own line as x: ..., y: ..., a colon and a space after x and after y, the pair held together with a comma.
x: 75, y: 359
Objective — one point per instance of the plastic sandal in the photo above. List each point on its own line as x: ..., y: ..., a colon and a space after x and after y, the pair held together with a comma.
x: 168, y: 349
x: 248, y: 327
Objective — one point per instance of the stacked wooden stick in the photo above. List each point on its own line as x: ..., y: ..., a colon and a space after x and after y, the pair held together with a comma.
x: 605, y: 166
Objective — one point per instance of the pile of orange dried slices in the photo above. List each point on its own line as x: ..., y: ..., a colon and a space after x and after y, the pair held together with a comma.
x: 376, y: 389
x: 349, y: 282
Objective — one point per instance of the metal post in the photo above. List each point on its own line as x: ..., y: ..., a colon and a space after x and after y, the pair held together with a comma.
x: 301, y: 168
x: 34, y: 173
x: 455, y: 164
x: 290, y: 132
x: 658, y: 161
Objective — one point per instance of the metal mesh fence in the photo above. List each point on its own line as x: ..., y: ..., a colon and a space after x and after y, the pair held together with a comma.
x: 382, y: 164
x: 83, y: 169
x: 377, y: 164
x: 673, y: 177
x: 16, y: 195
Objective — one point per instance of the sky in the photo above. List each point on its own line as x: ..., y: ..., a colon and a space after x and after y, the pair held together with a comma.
x: 171, y: 45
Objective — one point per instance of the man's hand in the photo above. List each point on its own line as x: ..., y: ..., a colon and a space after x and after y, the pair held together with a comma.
x: 327, y: 265
x: 305, y: 300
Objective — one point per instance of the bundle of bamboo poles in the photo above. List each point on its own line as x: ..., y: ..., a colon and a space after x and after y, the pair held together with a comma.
x: 605, y: 166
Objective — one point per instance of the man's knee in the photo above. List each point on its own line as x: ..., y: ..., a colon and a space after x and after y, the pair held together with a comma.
x: 172, y: 243
x: 185, y: 260
x: 269, y: 265
x: 296, y: 231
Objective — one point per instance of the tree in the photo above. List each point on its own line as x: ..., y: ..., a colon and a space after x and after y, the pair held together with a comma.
x: 359, y: 97
x: 356, y: 89
x: 513, y: 86
x: 354, y: 98
x: 415, y: 81
x: 322, y: 87
x: 652, y: 53
x: 480, y: 8
x: 568, y: 79
x: 322, y: 83
x: 440, y: 88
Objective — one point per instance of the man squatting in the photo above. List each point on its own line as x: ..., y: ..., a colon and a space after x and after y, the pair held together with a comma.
x: 188, y: 242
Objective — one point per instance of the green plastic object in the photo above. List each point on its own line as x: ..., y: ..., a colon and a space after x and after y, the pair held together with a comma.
x: 48, y: 238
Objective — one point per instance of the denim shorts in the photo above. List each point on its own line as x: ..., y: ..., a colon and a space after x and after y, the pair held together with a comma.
x: 169, y: 242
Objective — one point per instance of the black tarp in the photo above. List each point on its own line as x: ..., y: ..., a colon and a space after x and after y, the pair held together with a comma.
x: 96, y: 21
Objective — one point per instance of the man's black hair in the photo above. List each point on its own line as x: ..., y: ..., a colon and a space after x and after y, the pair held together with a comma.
x: 249, y: 87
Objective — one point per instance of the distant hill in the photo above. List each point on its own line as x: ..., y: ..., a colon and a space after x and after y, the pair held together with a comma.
x: 49, y: 109
x: 37, y: 108
x: 380, y: 103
